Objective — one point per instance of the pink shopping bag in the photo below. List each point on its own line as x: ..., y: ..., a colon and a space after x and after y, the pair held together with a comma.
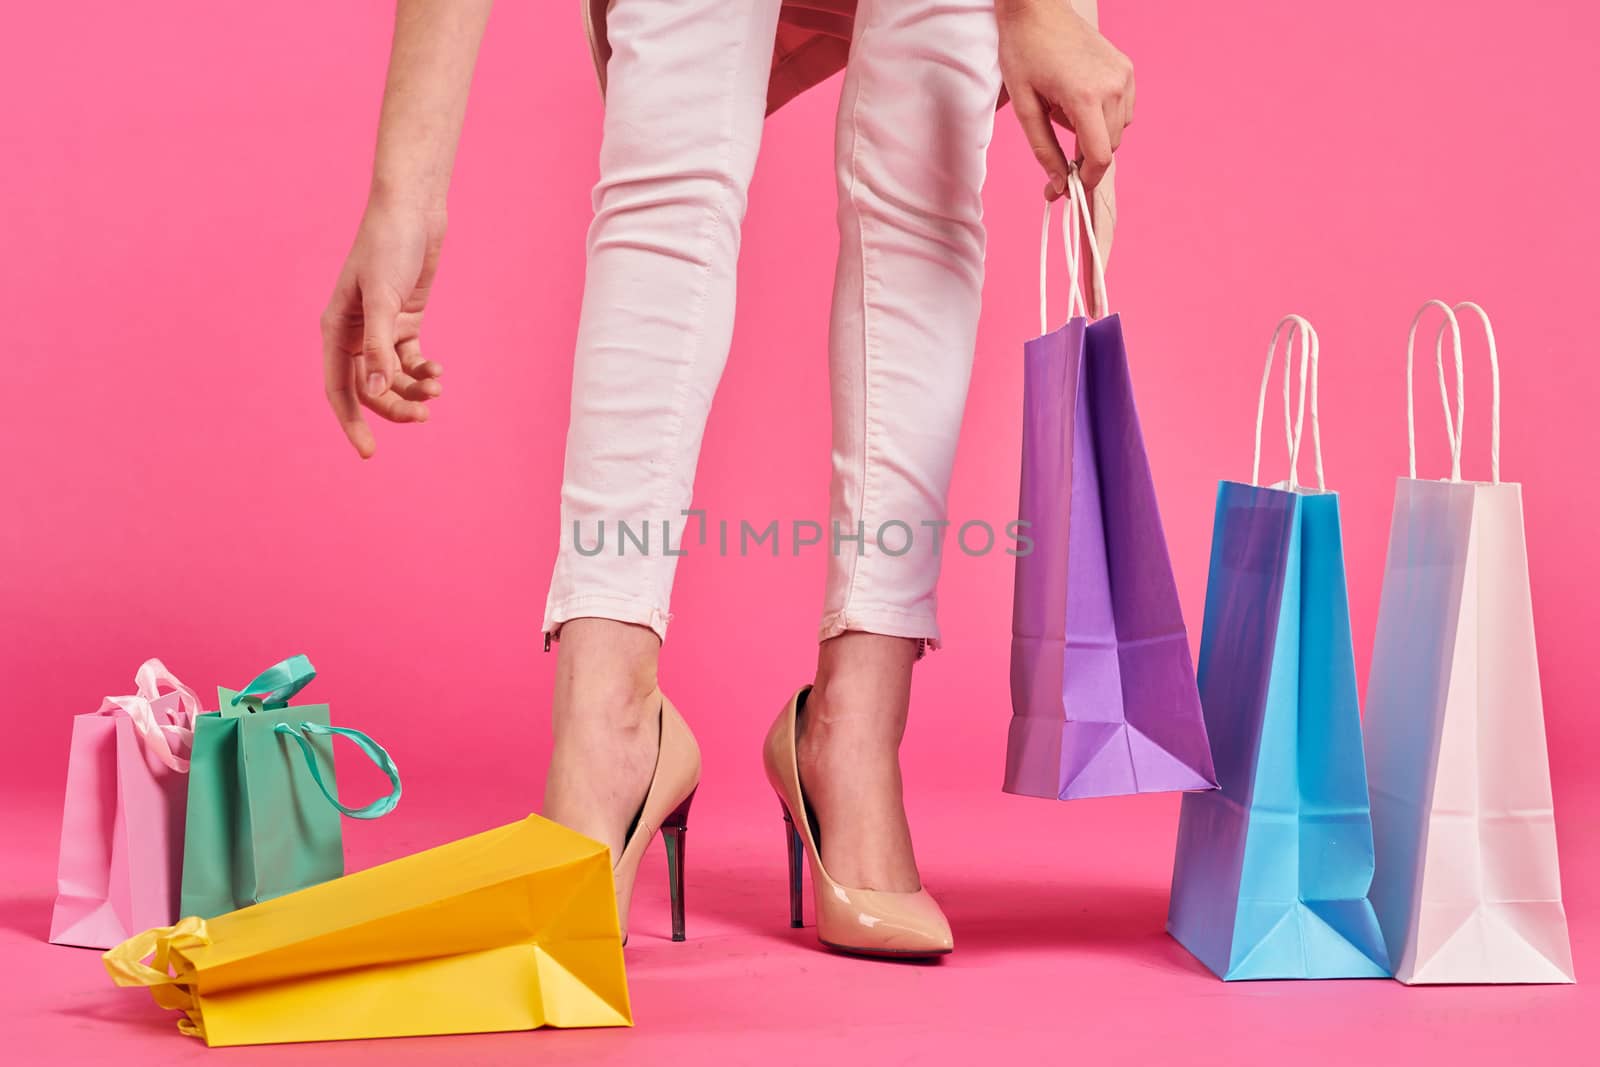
x: 1467, y: 885
x: 122, y: 824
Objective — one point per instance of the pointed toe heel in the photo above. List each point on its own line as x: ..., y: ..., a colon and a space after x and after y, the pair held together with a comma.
x: 860, y: 922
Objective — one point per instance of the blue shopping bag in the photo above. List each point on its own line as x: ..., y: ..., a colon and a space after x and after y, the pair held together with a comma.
x: 1273, y: 870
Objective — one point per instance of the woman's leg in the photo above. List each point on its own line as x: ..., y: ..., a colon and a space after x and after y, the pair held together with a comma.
x: 914, y: 125
x: 686, y: 96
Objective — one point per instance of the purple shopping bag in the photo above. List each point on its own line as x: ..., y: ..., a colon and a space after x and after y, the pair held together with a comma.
x: 122, y: 824
x: 1103, y: 692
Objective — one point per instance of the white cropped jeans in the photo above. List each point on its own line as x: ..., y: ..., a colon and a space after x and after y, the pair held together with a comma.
x: 686, y: 97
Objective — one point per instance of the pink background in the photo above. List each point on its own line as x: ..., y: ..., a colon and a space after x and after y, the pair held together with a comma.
x: 180, y: 187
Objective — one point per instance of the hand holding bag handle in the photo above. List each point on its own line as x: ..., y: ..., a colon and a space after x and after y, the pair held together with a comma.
x: 1454, y: 427
x: 149, y: 679
x: 374, y: 751
x: 1076, y: 222
x: 1293, y: 427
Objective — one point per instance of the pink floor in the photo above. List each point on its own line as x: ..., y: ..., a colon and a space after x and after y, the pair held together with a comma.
x: 1058, y: 912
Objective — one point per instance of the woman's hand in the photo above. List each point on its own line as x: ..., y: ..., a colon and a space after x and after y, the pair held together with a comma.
x: 371, y: 350
x: 1057, y: 67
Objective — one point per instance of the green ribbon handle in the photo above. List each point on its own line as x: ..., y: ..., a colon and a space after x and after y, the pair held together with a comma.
x: 277, y: 685
x: 374, y: 751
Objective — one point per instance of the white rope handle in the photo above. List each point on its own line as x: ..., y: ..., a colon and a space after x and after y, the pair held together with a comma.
x: 1083, y: 222
x: 1077, y: 219
x: 1293, y: 427
x: 1451, y: 425
x: 1289, y: 429
x: 1044, y: 271
x: 1494, y: 377
x: 1069, y: 244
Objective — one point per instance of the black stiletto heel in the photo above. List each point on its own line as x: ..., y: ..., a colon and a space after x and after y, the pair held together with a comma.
x: 673, y: 829
x: 797, y: 914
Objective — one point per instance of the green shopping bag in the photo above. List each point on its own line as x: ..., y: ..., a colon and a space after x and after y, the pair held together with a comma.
x: 264, y: 812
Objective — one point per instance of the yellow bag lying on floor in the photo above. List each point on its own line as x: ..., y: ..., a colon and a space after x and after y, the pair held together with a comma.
x: 511, y: 929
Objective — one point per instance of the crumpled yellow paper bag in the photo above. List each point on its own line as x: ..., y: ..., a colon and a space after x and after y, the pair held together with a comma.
x: 511, y: 929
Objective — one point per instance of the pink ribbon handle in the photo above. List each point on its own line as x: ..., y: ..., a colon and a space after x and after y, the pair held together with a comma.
x: 153, y: 674
x: 159, y: 731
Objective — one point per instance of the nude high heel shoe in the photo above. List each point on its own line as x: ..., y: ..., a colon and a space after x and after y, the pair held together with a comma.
x: 863, y: 922
x: 666, y: 808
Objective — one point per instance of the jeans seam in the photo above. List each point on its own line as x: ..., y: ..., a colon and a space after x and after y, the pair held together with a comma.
x: 865, y: 305
x: 696, y: 336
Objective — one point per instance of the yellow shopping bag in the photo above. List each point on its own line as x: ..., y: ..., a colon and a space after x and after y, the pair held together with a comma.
x: 511, y: 929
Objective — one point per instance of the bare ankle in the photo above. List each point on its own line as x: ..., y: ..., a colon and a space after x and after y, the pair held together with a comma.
x: 847, y: 742
x: 862, y: 693
x: 606, y: 675
x: 856, y: 669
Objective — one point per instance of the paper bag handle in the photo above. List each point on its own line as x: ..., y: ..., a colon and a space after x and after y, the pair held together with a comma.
x: 153, y: 674
x: 125, y: 963
x: 1077, y: 221
x: 1450, y: 423
x: 1494, y: 377
x: 274, y: 687
x: 148, y: 680
x: 374, y: 751
x: 1454, y: 426
x: 1293, y: 427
